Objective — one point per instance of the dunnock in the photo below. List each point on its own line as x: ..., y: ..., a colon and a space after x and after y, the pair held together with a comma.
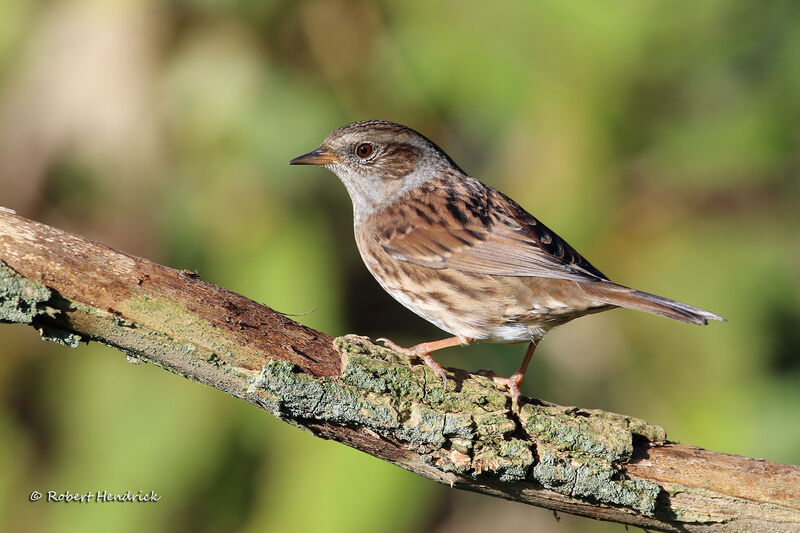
x: 461, y: 254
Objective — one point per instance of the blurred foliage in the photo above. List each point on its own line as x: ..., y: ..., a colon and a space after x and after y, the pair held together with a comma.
x: 660, y: 138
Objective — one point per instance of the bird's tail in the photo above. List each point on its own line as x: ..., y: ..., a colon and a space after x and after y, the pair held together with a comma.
x: 613, y: 294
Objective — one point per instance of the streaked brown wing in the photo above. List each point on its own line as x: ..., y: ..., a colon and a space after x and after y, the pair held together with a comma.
x: 474, y: 228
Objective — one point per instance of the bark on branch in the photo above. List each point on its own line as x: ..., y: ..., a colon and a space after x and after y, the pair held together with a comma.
x: 586, y: 462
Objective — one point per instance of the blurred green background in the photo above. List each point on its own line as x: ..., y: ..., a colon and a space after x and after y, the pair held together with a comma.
x: 661, y: 139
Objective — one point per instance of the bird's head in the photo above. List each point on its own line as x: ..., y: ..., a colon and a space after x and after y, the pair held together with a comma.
x: 378, y: 161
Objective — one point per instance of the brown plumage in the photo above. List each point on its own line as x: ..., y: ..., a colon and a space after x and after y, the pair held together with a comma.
x: 461, y: 254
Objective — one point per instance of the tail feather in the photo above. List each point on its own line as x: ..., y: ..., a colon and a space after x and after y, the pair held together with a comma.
x: 613, y: 294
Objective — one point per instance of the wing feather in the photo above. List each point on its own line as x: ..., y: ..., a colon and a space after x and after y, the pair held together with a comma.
x: 475, y: 228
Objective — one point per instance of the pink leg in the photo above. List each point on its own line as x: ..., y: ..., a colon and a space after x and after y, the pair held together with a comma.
x: 516, y: 378
x: 423, y: 351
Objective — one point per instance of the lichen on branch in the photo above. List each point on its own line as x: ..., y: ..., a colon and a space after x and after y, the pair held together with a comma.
x: 467, y: 429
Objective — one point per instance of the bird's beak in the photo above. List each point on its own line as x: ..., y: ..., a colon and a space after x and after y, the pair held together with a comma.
x: 320, y: 156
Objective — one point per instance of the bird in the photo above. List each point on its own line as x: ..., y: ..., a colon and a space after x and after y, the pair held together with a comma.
x: 463, y: 255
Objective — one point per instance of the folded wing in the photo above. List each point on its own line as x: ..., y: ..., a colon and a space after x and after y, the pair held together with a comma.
x: 477, y: 229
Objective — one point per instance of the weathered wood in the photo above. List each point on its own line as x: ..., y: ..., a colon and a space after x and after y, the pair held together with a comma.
x: 586, y: 462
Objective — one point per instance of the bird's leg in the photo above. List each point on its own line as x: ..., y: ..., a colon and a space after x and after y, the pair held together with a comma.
x: 423, y: 351
x: 515, y: 380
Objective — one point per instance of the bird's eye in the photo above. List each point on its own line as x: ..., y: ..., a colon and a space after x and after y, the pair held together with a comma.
x: 364, y: 150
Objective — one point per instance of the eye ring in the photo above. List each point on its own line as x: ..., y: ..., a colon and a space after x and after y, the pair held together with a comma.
x: 364, y: 150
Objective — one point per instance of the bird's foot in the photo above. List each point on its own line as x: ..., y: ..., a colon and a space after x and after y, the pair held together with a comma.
x: 418, y: 351
x: 511, y: 383
x: 391, y: 345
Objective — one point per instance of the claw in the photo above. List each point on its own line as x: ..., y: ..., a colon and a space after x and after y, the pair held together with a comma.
x: 515, y: 395
x: 512, y: 384
x: 438, y: 371
x: 392, y: 346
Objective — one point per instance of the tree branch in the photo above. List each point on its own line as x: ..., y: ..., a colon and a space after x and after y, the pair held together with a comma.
x: 586, y: 462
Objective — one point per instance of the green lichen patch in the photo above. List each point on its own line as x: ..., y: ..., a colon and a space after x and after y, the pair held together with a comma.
x: 291, y: 394
x: 569, y: 429
x: 468, y: 428
x: 464, y: 429
x: 595, y: 481
x: 186, y: 330
x: 172, y: 319
x: 640, y: 427
x: 494, y: 425
x: 459, y: 426
x: 577, y: 450
x: 591, y: 431
x: 20, y: 298
x: 424, y: 426
x: 508, y: 460
x: 484, y: 393
x: 60, y: 336
x: 23, y: 300
x: 463, y: 446
x: 379, y: 369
